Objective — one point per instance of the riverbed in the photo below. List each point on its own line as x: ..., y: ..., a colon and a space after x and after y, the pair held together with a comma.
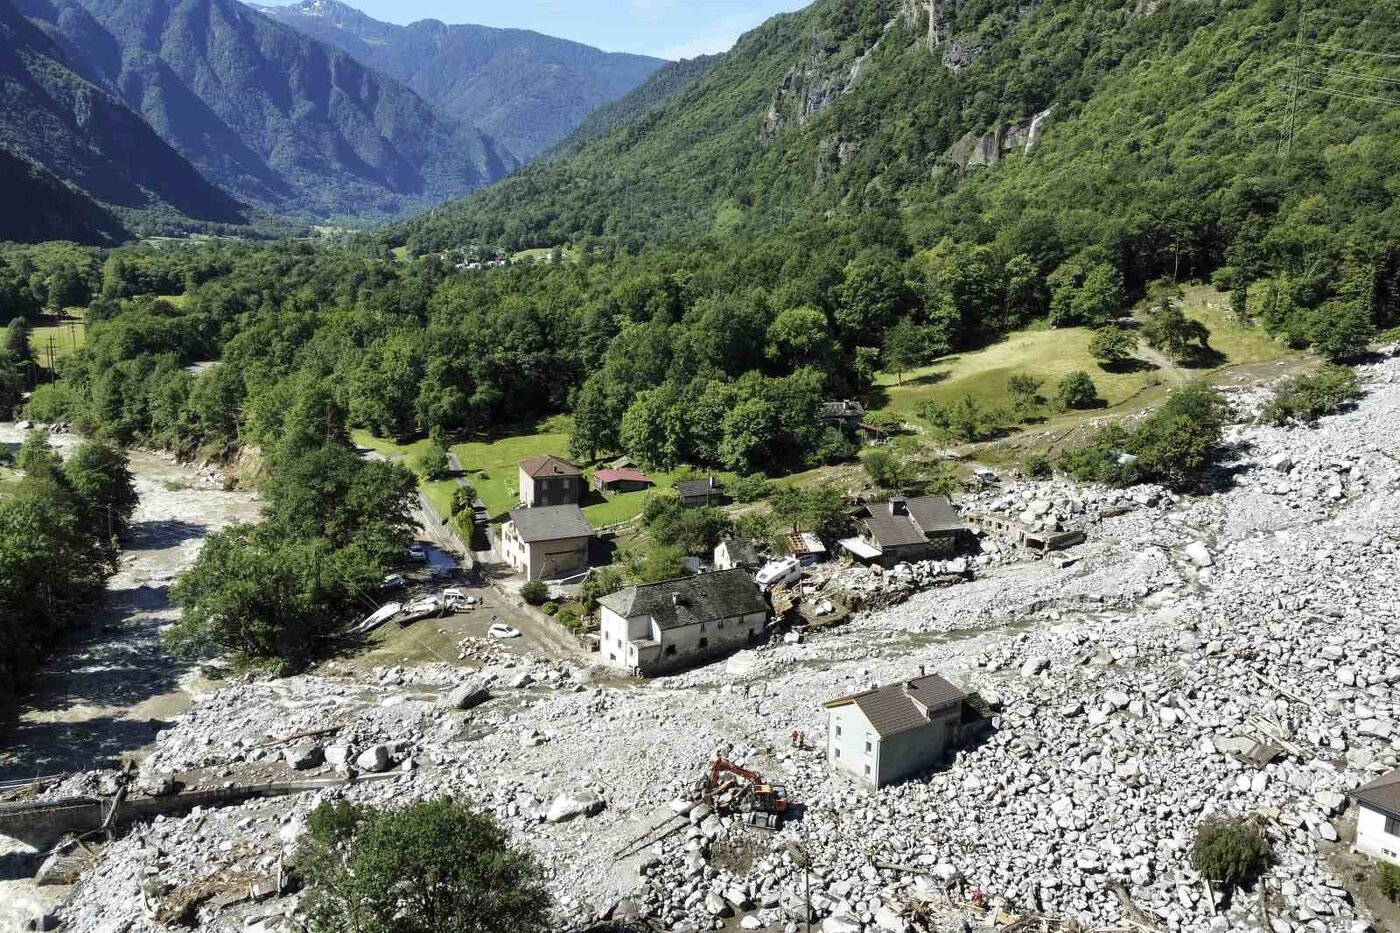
x: 113, y: 687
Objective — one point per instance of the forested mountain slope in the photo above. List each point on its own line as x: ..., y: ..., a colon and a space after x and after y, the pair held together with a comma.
x: 525, y: 89
x: 88, y: 138
x: 47, y: 209
x: 277, y: 118
x: 665, y: 83
x: 1158, y: 139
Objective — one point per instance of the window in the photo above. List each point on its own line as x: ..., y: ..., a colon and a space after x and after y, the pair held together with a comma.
x: 1392, y: 826
x: 836, y: 753
x: 612, y: 656
x: 838, y: 730
x: 670, y: 649
x: 719, y: 624
x: 704, y: 643
x: 869, y: 743
x: 867, y: 770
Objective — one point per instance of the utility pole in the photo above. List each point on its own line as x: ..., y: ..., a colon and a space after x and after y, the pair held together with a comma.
x: 1297, y: 77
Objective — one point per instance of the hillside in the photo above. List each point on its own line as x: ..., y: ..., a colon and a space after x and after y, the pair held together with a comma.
x: 272, y: 116
x: 1156, y: 134
x: 51, y: 210
x: 525, y: 89
x: 88, y: 138
x: 665, y: 83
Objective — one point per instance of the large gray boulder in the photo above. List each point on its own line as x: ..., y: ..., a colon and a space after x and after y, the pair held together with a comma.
x: 465, y: 696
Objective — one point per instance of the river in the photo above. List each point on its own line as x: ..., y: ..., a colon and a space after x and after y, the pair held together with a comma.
x: 108, y: 691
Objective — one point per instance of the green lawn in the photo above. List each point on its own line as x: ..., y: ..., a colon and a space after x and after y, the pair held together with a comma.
x: 532, y: 255
x: 1050, y: 353
x: 68, y: 334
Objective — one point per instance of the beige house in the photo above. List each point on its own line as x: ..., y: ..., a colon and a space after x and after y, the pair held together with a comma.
x: 550, y: 480
x: 547, y: 542
x: 662, y: 627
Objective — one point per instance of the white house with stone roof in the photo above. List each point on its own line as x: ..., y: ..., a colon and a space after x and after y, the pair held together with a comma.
x: 666, y: 626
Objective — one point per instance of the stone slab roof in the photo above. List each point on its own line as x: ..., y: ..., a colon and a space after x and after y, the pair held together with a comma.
x: 1381, y: 794
x: 896, y: 708
x: 920, y: 518
x: 550, y: 523
x: 705, y: 597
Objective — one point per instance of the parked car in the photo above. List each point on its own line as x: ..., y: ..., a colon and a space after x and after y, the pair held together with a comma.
x: 455, y: 596
x: 501, y: 630
x: 395, y: 581
x: 417, y: 553
x: 780, y: 572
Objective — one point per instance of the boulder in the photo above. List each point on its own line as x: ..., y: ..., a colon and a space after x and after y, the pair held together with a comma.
x: 1199, y: 554
x: 465, y: 696
x: 304, y: 756
x: 568, y: 806
x: 373, y: 759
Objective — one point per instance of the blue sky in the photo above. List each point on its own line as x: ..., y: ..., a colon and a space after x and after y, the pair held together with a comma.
x: 665, y: 28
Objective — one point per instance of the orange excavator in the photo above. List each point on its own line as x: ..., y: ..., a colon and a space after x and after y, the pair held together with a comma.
x: 740, y: 790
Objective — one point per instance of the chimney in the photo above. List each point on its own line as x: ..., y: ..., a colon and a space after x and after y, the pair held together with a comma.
x: 899, y: 505
x: 675, y: 599
x: 921, y: 670
x: 712, y: 481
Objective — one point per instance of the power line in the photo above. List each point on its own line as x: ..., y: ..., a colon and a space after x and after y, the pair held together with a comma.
x: 1339, y: 48
x: 1349, y: 96
x: 1333, y: 72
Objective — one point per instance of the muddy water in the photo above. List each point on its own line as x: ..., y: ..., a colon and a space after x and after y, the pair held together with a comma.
x: 113, y: 687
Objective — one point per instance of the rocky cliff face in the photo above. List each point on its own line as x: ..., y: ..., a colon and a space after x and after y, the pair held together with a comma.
x: 991, y: 147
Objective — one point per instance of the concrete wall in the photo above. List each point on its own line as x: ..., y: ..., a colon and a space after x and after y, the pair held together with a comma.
x: 1372, y: 838
x: 908, y: 753
x: 673, y: 648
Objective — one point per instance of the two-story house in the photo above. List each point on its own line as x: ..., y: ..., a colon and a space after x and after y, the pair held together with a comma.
x: 661, y: 627
x: 903, y: 529
x: 550, y: 480
x: 546, y: 542
x: 898, y: 730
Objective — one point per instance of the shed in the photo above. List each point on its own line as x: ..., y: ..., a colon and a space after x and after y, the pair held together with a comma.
x: 620, y: 480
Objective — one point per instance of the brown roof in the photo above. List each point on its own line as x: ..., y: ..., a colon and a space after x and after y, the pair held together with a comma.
x: 1381, y: 794
x: 896, y: 708
x: 921, y: 517
x: 548, y: 465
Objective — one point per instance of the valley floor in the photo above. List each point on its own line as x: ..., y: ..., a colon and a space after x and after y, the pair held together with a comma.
x: 1122, y: 683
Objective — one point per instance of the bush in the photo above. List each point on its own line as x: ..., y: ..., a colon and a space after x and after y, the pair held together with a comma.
x: 1024, y: 390
x: 751, y: 488
x: 1390, y: 882
x: 1077, y: 390
x: 432, y: 463
x: 431, y: 866
x: 569, y: 618
x: 964, y: 419
x: 1232, y: 852
x: 550, y: 608
x: 885, y: 468
x: 1308, y: 397
x: 1341, y: 330
x: 1036, y: 465
x: 1111, y: 346
x: 1182, y: 338
x: 535, y: 593
x: 601, y: 582
x: 463, y: 498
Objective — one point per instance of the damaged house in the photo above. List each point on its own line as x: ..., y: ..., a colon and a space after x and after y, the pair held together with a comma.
x: 907, y: 530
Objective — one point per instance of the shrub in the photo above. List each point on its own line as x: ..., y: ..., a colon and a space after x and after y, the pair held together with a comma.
x: 600, y: 583
x: 1168, y: 329
x: 751, y: 488
x: 1025, y: 394
x: 1077, y: 390
x: 1341, y: 330
x: 1036, y: 465
x: 1390, y: 882
x: 463, y: 498
x: 432, y: 463
x: 435, y: 865
x: 569, y: 618
x: 1112, y: 345
x: 550, y: 608
x: 535, y: 593
x: 1308, y: 397
x: 1230, y: 851
x: 885, y: 468
x: 964, y: 419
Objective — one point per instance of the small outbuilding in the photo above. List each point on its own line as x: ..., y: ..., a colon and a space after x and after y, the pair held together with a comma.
x: 893, y: 732
x: 547, y: 542
x: 1378, y: 818
x: 661, y: 627
x: 695, y: 493
x: 620, y: 480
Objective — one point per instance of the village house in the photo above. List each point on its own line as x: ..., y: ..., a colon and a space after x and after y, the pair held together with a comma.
x: 892, y: 732
x: 662, y: 627
x: 696, y: 493
x: 620, y: 480
x: 846, y: 414
x: 903, y: 529
x: 1378, y: 818
x: 736, y: 553
x: 547, y: 542
x: 550, y: 480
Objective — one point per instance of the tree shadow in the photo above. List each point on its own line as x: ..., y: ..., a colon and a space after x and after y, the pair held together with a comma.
x: 162, y: 534
x: 1205, y: 358
x: 1232, y: 462
x: 1129, y: 366
x: 43, y: 748
x: 930, y: 379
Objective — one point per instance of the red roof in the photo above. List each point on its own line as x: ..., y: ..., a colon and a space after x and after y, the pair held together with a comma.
x: 622, y: 476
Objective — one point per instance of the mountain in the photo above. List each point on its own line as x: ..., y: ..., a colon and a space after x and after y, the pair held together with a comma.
x: 665, y: 83
x: 1151, y: 132
x: 84, y: 136
x: 525, y: 89
x: 51, y: 209
x: 270, y: 115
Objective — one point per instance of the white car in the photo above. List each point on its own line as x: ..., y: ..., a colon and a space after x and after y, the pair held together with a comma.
x: 395, y: 581
x: 501, y: 630
x: 455, y: 595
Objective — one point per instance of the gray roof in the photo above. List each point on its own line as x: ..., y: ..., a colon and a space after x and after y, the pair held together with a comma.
x: 693, y: 488
x: 550, y: 523
x: 896, y: 708
x: 705, y: 597
x: 740, y: 551
x: 844, y: 408
x: 925, y: 516
x: 1381, y: 794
